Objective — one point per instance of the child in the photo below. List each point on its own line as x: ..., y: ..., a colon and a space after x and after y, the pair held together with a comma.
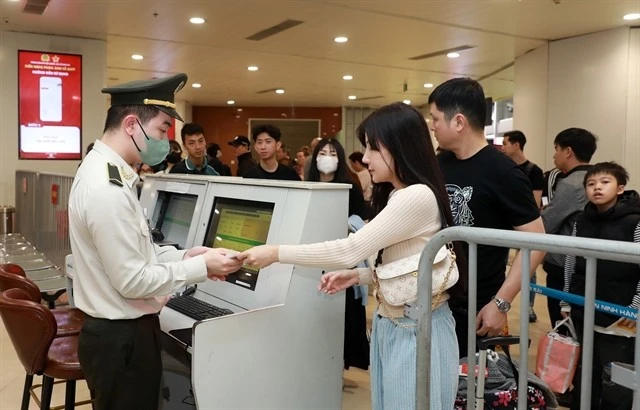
x: 611, y: 213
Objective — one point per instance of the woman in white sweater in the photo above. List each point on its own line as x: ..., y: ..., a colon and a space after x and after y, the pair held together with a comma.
x: 408, y: 190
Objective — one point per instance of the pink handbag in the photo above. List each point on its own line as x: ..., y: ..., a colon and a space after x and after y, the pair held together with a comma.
x: 558, y: 357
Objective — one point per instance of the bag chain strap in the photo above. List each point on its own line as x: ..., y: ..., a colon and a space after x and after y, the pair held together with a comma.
x: 435, y: 302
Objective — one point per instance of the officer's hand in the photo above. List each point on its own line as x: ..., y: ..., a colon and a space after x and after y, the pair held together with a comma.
x: 195, y: 251
x: 490, y: 321
x: 221, y: 262
x: 260, y: 256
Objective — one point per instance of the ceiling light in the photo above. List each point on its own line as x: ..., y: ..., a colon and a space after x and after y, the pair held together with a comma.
x: 341, y: 39
x: 196, y: 85
x: 231, y: 102
x: 352, y: 97
x: 428, y: 85
x: 347, y: 77
x: 196, y: 20
x: 252, y: 68
x: 453, y: 55
x: 137, y: 57
x: 406, y: 101
x: 631, y: 16
x: 279, y: 91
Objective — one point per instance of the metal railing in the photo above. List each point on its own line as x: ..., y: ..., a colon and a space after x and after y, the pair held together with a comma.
x: 42, y: 203
x: 591, y: 249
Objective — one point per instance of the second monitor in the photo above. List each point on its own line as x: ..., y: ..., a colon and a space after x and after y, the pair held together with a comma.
x: 239, y: 225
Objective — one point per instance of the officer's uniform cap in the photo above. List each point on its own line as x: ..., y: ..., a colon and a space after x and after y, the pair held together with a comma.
x: 159, y: 93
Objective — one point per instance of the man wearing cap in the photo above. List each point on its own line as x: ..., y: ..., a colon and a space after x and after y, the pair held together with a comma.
x: 242, y: 151
x: 123, y: 279
x: 267, y: 142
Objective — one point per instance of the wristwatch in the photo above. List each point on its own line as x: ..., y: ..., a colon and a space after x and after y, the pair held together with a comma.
x: 503, y: 305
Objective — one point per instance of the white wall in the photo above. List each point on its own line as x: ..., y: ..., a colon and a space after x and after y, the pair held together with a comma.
x: 93, y: 102
x: 591, y: 82
x: 631, y: 143
x: 530, y: 104
x: 588, y: 81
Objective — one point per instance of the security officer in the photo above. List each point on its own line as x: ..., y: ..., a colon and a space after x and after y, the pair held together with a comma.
x: 122, y: 278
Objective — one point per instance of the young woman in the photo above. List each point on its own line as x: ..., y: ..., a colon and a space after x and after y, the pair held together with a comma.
x: 407, y: 197
x: 329, y: 164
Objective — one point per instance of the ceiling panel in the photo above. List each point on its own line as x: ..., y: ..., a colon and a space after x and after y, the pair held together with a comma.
x: 305, y: 60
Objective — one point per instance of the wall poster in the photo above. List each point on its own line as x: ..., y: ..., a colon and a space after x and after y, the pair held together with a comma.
x: 50, y: 105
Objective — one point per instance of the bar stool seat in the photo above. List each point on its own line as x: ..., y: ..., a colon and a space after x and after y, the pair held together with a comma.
x: 69, y: 320
x: 32, y: 330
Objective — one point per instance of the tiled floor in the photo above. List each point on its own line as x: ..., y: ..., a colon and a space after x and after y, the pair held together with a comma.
x: 356, y: 393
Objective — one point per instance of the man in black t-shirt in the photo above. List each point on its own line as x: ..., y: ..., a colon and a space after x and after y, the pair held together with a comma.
x: 513, y: 146
x: 485, y: 190
x: 266, y: 139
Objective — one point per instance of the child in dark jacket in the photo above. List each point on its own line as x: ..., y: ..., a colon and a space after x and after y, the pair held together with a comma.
x: 612, y: 213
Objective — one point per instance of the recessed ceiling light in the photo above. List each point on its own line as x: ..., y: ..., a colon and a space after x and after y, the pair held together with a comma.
x: 252, y: 68
x: 428, y: 85
x: 347, y: 77
x: 196, y: 85
x: 631, y: 16
x: 279, y: 91
x: 406, y: 101
x: 341, y: 39
x: 196, y: 20
x: 137, y: 57
x: 352, y: 97
x: 453, y: 55
x: 231, y: 102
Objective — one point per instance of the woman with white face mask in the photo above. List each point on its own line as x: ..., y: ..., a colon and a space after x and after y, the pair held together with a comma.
x: 329, y: 164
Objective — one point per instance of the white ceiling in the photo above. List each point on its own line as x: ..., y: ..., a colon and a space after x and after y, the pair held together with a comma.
x: 305, y: 60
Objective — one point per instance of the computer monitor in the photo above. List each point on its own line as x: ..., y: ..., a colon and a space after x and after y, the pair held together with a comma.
x: 172, y: 216
x: 173, y: 205
x: 239, y: 224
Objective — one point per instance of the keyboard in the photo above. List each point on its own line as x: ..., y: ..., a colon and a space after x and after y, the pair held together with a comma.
x: 196, y: 308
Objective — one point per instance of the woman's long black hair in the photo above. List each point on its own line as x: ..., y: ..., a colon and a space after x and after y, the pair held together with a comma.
x: 342, y: 174
x: 403, y: 131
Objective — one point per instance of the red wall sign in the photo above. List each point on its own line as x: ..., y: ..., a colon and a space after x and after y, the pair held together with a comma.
x: 50, y: 107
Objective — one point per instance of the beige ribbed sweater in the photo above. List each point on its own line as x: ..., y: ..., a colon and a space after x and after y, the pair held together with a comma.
x: 402, y: 229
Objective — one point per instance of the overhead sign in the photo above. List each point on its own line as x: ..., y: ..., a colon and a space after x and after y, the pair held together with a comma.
x: 50, y: 105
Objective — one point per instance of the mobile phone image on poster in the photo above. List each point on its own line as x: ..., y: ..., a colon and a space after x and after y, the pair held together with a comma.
x: 51, y: 99
x: 50, y: 105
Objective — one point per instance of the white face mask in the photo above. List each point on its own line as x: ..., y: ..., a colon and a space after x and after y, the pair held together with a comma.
x: 327, y: 164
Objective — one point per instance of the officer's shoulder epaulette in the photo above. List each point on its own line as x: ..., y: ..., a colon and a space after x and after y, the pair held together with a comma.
x: 114, y: 174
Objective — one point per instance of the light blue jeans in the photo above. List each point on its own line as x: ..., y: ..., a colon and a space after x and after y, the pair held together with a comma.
x: 393, y: 363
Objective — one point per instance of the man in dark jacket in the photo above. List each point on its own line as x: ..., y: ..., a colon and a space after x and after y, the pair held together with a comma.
x: 213, y: 154
x: 196, y: 162
x: 242, y: 151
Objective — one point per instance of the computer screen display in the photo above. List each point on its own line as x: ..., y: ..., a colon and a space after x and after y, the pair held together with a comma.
x: 239, y: 225
x: 172, y: 216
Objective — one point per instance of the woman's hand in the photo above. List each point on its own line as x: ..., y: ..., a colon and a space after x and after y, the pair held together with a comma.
x: 259, y: 256
x: 337, y: 281
x: 629, y: 323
